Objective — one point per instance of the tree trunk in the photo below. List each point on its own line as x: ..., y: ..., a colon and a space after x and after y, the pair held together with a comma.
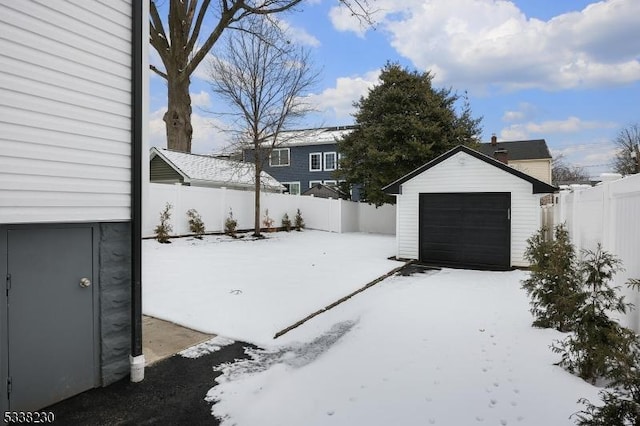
x: 256, y: 217
x: 178, y: 115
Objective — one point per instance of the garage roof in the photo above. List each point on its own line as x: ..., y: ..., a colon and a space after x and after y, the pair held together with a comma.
x: 539, y: 187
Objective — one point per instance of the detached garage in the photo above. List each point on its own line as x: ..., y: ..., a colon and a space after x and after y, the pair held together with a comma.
x: 465, y: 209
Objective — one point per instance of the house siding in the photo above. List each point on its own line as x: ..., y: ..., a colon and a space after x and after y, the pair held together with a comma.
x: 65, y: 103
x: 298, y: 168
x: 464, y: 173
x: 539, y: 169
x: 161, y: 172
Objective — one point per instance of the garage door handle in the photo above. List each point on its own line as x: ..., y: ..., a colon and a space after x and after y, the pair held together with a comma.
x: 85, y: 282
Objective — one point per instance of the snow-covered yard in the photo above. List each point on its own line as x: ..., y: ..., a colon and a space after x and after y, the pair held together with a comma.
x: 448, y: 347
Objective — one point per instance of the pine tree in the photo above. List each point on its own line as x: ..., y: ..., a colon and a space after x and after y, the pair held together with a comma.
x: 196, y: 225
x: 286, y: 222
x: 598, y: 341
x: 403, y: 123
x: 298, y: 222
x: 164, y: 228
x: 553, y: 285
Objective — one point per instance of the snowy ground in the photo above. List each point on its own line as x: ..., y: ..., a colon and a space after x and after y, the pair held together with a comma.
x: 249, y: 290
x: 451, y: 347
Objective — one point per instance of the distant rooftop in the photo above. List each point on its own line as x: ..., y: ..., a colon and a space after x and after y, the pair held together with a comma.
x: 317, y: 136
x: 518, y: 150
x: 208, y: 168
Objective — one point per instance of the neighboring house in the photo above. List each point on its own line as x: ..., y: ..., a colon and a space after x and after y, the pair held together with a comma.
x: 325, y: 191
x: 168, y: 166
x: 529, y: 156
x: 304, y: 158
x: 73, y: 112
x: 466, y: 209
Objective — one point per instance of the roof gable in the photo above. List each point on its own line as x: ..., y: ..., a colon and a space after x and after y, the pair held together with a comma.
x: 195, y: 167
x: 539, y: 187
x: 535, y: 149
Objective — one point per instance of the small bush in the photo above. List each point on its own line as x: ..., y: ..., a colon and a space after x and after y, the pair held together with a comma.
x: 164, y: 228
x: 298, y: 222
x: 196, y: 225
x: 286, y: 223
x: 622, y: 399
x: 267, y: 221
x: 230, y: 225
x: 553, y: 285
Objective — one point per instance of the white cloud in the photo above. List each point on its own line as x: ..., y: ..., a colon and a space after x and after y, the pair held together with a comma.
x: 207, y: 136
x: 570, y: 125
x: 298, y: 35
x: 202, y: 99
x: 339, y: 99
x: 525, y: 110
x: 492, y: 42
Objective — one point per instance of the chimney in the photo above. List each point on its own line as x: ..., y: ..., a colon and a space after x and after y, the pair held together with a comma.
x: 502, y: 155
x: 494, y: 140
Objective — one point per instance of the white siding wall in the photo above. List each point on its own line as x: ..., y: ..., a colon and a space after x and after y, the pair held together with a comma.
x: 464, y: 173
x: 65, y: 108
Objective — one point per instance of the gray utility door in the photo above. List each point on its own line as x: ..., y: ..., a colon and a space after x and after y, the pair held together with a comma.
x: 51, y: 342
x: 468, y: 230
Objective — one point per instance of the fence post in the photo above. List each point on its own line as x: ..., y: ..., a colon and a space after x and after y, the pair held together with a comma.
x: 608, y: 218
x: 223, y: 207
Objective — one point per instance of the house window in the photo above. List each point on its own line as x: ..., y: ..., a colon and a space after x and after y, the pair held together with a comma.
x: 293, y: 188
x: 279, y: 157
x: 330, y: 183
x: 313, y: 183
x: 315, y: 161
x: 330, y: 162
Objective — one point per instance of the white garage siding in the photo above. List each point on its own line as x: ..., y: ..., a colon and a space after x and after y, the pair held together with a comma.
x: 65, y: 110
x: 465, y: 173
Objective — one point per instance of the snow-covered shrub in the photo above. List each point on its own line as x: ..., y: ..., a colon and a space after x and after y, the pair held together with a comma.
x: 554, y: 282
x: 298, y: 222
x: 598, y: 342
x: 230, y: 225
x: 267, y: 221
x: 286, y: 223
x: 196, y: 225
x: 164, y: 228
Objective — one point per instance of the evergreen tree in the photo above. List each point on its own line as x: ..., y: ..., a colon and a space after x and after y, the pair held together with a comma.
x: 554, y: 283
x: 403, y: 123
x: 598, y: 341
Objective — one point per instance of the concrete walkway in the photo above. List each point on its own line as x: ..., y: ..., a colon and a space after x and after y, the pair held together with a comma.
x: 163, y: 339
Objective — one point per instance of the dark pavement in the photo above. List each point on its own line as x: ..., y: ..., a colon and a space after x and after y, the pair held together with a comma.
x: 172, y: 393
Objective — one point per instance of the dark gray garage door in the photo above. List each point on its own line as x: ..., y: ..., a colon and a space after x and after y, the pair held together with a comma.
x: 471, y: 230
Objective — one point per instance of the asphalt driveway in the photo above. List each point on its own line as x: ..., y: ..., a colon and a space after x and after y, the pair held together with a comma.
x: 172, y: 393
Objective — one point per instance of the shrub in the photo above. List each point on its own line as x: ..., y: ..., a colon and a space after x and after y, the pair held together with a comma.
x: 196, y: 225
x: 622, y: 400
x: 267, y: 221
x: 598, y: 341
x: 286, y: 223
x: 554, y: 283
x: 298, y: 222
x: 164, y: 228
x: 230, y: 225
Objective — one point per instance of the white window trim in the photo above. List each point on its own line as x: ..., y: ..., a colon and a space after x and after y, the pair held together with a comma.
x: 320, y: 162
x: 312, y: 183
x: 288, y: 157
x: 294, y: 183
x: 330, y: 183
x: 335, y: 160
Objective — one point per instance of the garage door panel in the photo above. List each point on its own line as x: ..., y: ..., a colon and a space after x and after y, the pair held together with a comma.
x: 465, y: 229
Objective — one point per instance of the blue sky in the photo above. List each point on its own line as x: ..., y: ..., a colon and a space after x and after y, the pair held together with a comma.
x: 566, y: 71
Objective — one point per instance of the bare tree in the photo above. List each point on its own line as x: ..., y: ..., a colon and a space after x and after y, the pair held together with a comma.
x: 182, y: 48
x: 627, y: 159
x: 561, y: 172
x: 264, y: 79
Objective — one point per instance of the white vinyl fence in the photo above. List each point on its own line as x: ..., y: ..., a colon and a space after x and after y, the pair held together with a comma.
x: 214, y: 205
x: 608, y: 214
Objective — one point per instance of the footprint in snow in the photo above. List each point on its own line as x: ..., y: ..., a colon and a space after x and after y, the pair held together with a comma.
x: 516, y: 391
x: 503, y: 422
x: 479, y: 419
x: 514, y: 403
x: 330, y: 413
x: 496, y: 384
x: 428, y: 399
x: 432, y: 421
x: 520, y: 418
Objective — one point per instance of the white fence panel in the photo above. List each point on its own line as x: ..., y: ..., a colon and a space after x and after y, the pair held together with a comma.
x: 608, y: 214
x: 214, y: 205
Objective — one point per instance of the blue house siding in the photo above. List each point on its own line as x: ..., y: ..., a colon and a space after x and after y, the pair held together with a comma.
x: 298, y: 169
